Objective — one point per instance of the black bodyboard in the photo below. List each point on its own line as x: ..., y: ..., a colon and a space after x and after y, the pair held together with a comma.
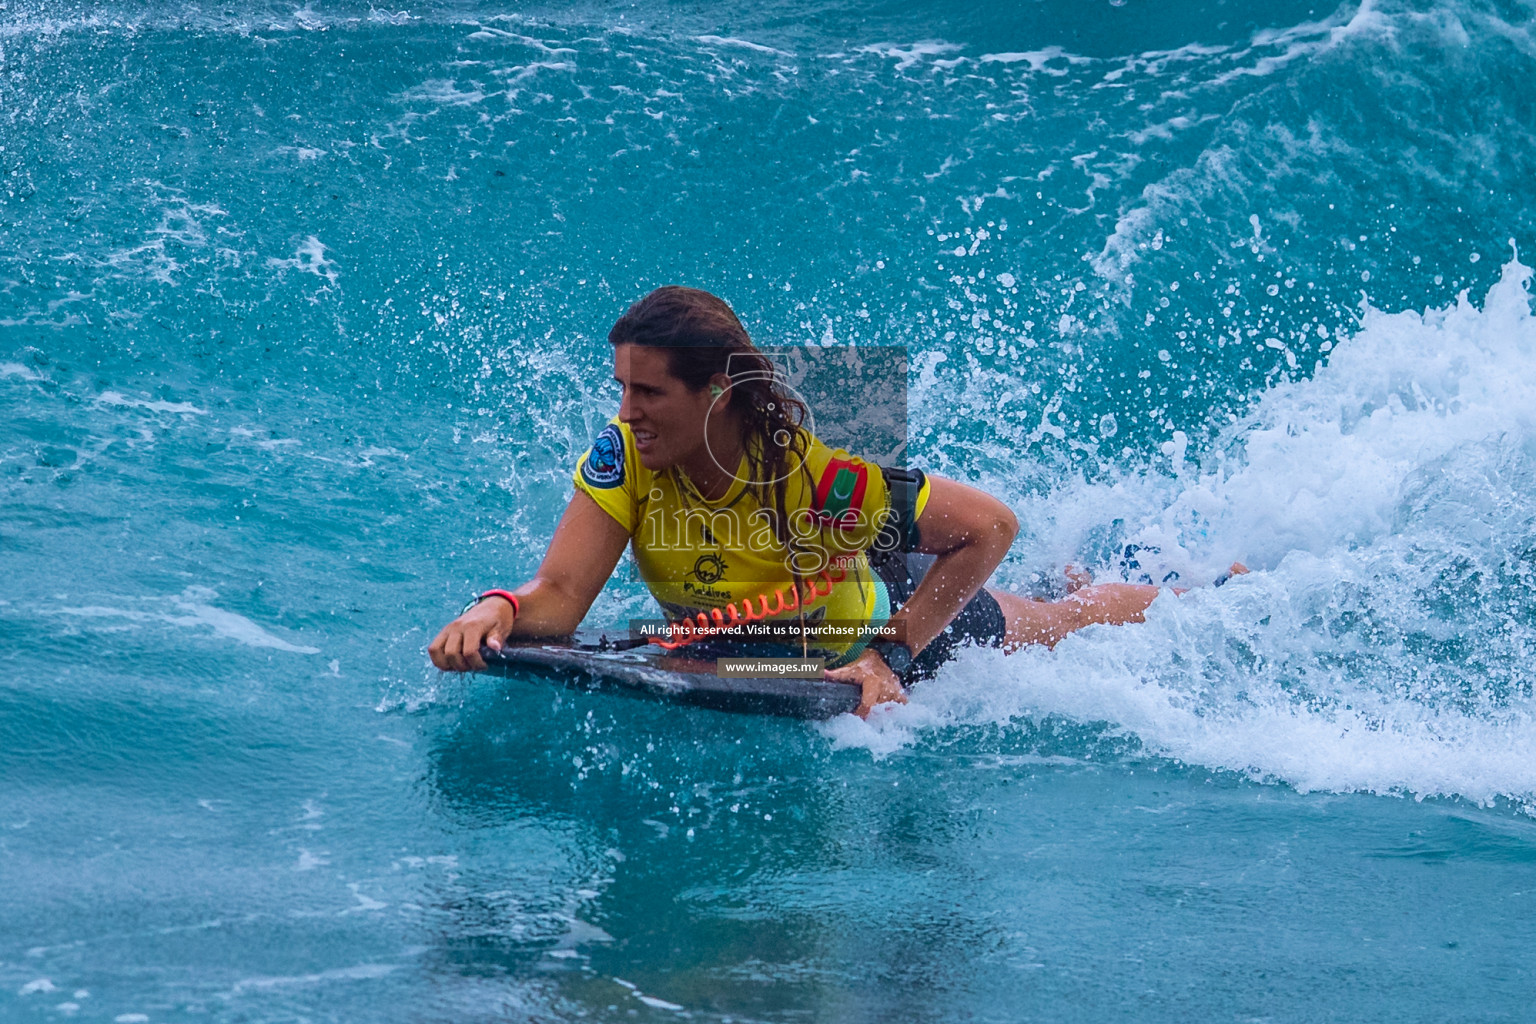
x: 593, y: 664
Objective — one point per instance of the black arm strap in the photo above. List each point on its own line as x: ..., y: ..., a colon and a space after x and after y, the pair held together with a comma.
x: 900, y: 530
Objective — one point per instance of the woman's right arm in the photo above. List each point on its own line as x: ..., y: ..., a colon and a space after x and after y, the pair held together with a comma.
x: 581, y: 557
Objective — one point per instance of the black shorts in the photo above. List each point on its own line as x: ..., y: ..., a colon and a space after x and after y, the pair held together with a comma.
x: 980, y: 622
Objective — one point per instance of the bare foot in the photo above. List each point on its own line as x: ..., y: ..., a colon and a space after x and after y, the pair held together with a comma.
x: 1078, y: 578
x: 1236, y: 569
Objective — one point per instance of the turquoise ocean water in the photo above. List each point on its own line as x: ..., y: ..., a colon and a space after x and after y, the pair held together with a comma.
x: 302, y: 318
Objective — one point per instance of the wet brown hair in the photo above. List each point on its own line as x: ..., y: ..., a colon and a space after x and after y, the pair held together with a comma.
x: 702, y: 338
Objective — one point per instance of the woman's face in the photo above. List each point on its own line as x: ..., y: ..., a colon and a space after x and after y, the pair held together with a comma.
x: 667, y: 418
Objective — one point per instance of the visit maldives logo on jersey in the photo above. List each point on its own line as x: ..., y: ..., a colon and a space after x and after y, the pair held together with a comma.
x: 839, y: 494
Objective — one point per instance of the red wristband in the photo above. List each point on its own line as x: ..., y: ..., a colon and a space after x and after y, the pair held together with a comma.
x: 510, y: 597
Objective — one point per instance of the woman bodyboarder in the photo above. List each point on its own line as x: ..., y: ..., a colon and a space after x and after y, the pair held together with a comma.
x: 736, y: 513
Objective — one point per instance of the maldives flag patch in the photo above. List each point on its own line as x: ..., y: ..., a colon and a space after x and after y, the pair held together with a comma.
x: 839, y: 496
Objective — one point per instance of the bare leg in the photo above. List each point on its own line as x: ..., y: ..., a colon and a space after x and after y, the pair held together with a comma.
x: 1046, y: 622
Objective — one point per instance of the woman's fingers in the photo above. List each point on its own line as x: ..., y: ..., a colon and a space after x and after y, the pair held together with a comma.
x: 875, y: 695
x: 453, y: 649
x: 457, y: 647
x: 471, y: 657
x: 438, y: 649
x: 876, y: 685
x: 496, y: 632
x: 474, y: 636
x: 488, y: 625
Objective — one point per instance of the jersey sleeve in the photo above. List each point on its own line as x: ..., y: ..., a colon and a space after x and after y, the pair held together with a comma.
x: 861, y: 505
x: 849, y: 498
x: 608, y: 472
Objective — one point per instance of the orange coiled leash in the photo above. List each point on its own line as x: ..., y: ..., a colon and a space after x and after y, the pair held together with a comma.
x: 692, y: 628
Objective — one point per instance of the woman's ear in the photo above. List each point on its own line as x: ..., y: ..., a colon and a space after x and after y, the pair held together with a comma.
x: 719, y: 385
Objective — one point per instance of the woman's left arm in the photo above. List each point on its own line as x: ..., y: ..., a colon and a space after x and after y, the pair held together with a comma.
x: 970, y: 532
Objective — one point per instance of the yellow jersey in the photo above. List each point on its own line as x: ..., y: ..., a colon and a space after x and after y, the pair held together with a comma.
x: 723, y: 560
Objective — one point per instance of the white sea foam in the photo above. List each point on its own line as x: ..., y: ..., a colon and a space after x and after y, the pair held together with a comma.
x: 523, y: 72
x: 443, y: 92
x: 387, y: 17
x: 658, y: 1004
x: 906, y: 56
x: 304, y: 154
x: 365, y: 904
x: 1218, y: 173
x: 1039, y: 61
x: 1388, y: 507
x: 123, y: 401
x: 133, y: 21
x: 179, y: 237
x: 310, y: 259
x: 485, y: 32
x: 227, y: 624
x: 309, y: 861
x: 743, y: 43
x: 18, y: 370
x: 1155, y: 62
x: 266, y: 444
x: 192, y: 611
x: 360, y: 972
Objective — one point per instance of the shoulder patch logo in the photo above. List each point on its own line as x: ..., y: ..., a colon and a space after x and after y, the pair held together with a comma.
x: 604, y: 465
x: 839, y: 496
